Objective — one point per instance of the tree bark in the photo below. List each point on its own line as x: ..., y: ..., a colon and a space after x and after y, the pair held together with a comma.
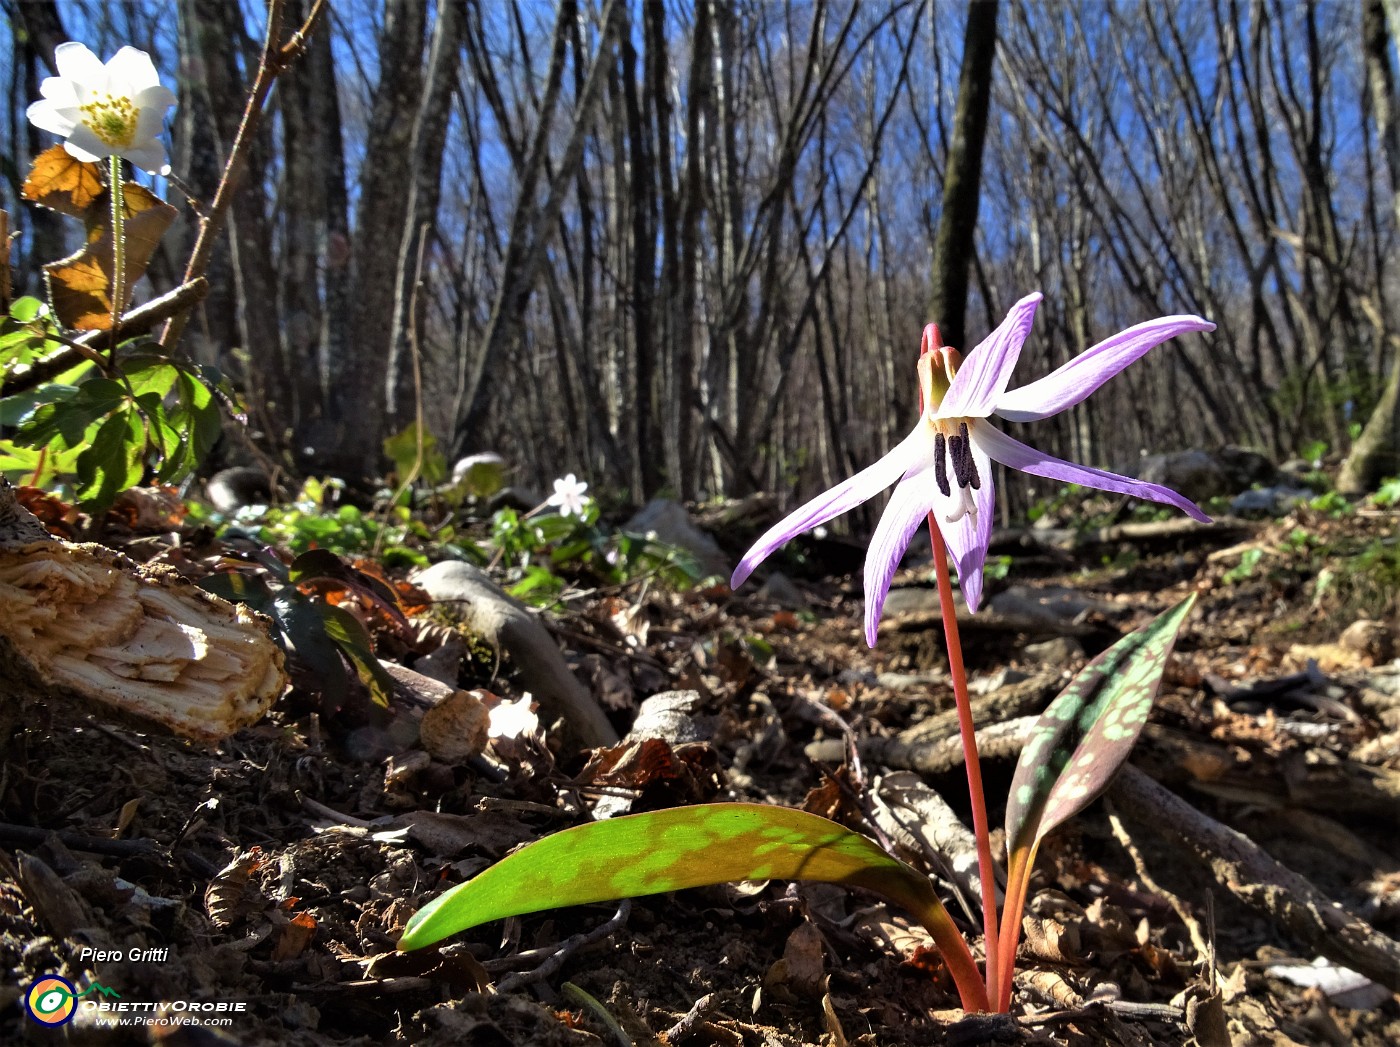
x: 1376, y: 452
x: 962, y: 183
x: 313, y: 285
x: 349, y: 444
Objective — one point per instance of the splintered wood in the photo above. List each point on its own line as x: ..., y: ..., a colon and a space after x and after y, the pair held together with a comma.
x: 84, y: 622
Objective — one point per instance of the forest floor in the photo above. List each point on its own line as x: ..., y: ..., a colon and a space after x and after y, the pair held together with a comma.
x: 277, y: 870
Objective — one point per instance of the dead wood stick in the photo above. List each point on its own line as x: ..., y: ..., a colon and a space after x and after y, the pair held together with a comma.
x: 928, y: 746
x: 1256, y: 879
x: 997, y: 741
x: 138, y: 321
x: 30, y: 836
x: 907, y: 808
x: 475, y: 600
x: 566, y: 949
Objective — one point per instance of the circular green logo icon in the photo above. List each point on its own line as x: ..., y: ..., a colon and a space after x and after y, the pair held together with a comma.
x: 51, y: 1000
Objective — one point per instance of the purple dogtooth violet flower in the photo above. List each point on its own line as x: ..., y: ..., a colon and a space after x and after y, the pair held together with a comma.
x: 943, y: 469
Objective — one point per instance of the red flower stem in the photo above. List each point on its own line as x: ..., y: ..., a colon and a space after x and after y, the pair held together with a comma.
x: 1018, y: 880
x: 974, y: 768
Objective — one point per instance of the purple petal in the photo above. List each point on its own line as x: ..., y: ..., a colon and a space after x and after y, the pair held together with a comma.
x: 1070, y: 384
x: 967, y: 537
x: 982, y: 378
x: 1017, y: 455
x: 914, y: 452
x: 910, y: 504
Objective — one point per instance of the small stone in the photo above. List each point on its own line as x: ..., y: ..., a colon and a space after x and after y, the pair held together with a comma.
x: 480, y: 475
x: 456, y: 728
x: 908, y: 681
x: 778, y: 589
x: 1370, y: 639
x: 668, y: 522
x: 997, y: 680
x: 1196, y: 474
x: 1269, y: 501
x: 1061, y: 651
x: 231, y: 489
x: 911, y: 599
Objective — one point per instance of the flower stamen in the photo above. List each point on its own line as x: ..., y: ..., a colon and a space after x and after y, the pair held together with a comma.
x: 111, y: 118
x: 964, y: 465
x: 957, y: 449
x: 940, y: 464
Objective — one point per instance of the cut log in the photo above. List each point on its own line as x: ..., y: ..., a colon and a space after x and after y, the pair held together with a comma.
x: 83, y: 623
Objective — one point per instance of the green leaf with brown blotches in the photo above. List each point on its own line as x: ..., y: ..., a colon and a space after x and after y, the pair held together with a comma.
x: 1087, y: 732
x: 691, y: 847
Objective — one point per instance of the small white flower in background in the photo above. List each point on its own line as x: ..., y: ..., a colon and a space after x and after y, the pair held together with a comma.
x: 105, y: 110
x: 568, y: 496
x: 513, y: 719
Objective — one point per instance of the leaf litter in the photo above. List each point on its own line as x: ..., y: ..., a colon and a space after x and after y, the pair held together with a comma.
x: 281, y: 867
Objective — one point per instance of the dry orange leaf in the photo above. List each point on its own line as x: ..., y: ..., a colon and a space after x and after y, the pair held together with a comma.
x: 294, y: 937
x: 80, y: 285
x: 63, y: 183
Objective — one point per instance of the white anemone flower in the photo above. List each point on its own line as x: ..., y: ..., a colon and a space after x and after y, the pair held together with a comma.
x: 117, y: 109
x: 568, y: 496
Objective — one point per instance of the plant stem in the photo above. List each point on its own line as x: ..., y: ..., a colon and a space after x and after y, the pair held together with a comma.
x: 1018, y: 878
x: 974, y: 769
x: 116, y: 287
x: 951, y: 945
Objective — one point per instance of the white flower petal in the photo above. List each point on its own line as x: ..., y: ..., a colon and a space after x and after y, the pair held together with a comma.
x: 967, y: 537
x: 149, y: 156
x: 157, y: 97
x: 76, y: 62
x: 132, y: 70
x: 984, y: 372
x: 61, y: 92
x: 912, y: 453
x: 908, y: 507
x: 44, y: 115
x: 86, y: 146
x: 149, y: 124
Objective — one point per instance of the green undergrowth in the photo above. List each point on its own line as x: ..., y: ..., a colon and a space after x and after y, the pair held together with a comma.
x: 540, y: 557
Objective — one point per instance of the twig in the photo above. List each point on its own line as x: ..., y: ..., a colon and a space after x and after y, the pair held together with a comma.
x: 566, y: 949
x: 276, y: 58
x: 1262, y: 883
x: 1198, y: 936
x: 137, y: 322
x: 29, y: 836
x: 318, y: 808
x: 694, y: 1020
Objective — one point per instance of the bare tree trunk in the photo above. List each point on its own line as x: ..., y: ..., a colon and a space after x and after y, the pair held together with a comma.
x: 642, y: 205
x: 349, y: 442
x: 1376, y: 452
x: 533, y: 219
x: 427, y: 149
x: 962, y: 183
x: 314, y: 277
x: 215, y: 32
x: 38, y: 29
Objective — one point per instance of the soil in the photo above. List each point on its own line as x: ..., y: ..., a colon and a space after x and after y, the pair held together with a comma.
x: 274, y: 873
